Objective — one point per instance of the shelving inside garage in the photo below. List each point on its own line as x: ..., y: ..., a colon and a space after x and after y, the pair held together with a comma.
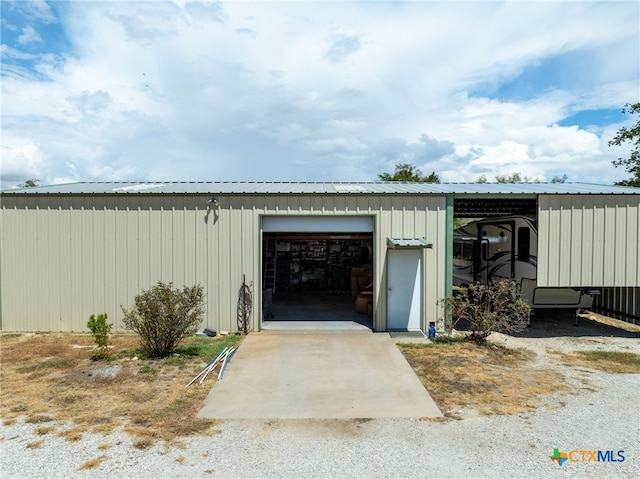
x: 314, y: 261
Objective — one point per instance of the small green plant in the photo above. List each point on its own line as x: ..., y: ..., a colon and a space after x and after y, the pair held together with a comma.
x: 206, y: 348
x: 11, y: 335
x: 164, y: 316
x: 100, y: 330
x: 612, y: 361
x: 492, y: 307
x: 443, y: 339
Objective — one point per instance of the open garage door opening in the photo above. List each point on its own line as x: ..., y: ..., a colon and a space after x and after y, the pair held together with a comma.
x: 317, y: 276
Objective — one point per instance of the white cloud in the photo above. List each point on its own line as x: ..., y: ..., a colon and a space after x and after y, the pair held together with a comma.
x: 505, y: 158
x: 35, y: 10
x: 29, y: 35
x: 21, y: 161
x: 306, y: 91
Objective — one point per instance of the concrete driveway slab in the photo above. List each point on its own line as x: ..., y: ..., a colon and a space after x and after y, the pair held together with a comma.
x: 318, y: 375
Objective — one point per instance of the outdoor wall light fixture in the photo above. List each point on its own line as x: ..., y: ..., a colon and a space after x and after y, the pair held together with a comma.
x: 212, y: 205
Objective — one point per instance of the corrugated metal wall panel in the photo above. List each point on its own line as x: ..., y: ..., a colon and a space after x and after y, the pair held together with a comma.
x: 410, y: 221
x: 598, y: 245
x: 76, y: 256
x: 11, y: 253
x: 586, y: 258
x: 237, y: 258
x: 575, y: 245
x: 588, y: 240
x: 67, y: 257
x: 564, y: 242
x: 609, y: 266
x: 632, y: 259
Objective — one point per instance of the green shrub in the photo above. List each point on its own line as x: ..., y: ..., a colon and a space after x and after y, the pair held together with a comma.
x: 100, y: 329
x: 444, y: 339
x: 487, y: 308
x: 164, y: 316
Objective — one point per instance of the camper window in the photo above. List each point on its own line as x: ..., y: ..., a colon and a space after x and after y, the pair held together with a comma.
x: 524, y: 244
x: 463, y: 250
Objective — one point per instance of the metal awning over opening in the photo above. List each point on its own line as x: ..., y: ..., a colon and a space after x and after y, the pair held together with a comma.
x: 408, y: 243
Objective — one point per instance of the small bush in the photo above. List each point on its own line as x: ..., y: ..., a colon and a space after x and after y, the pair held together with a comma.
x: 443, y: 339
x: 164, y: 316
x: 100, y: 329
x: 493, y: 307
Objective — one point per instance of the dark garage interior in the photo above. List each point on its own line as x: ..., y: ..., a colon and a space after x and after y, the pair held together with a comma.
x: 318, y: 277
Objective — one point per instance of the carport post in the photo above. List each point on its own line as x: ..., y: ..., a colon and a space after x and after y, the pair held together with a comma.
x: 448, y: 258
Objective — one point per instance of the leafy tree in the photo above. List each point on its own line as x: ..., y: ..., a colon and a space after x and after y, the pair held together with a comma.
x: 487, y: 308
x: 559, y: 179
x: 431, y: 178
x: 632, y: 134
x: 408, y: 172
x: 29, y: 183
x: 163, y: 316
x: 514, y: 178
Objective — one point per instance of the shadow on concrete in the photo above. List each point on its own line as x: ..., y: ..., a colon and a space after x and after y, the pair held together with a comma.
x: 316, y: 306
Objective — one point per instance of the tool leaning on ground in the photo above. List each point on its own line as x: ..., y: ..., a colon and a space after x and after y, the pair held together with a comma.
x: 222, y: 358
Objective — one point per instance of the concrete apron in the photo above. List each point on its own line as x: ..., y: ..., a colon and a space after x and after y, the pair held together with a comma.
x: 318, y: 375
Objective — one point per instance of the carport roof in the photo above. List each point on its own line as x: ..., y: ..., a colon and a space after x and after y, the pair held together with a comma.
x: 321, y: 188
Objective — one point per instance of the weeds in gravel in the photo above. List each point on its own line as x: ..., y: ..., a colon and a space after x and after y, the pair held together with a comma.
x: 50, y: 378
x: 92, y: 463
x: 38, y: 419
x: 615, y: 362
x: 144, y: 443
x: 43, y: 431
x: 491, y: 379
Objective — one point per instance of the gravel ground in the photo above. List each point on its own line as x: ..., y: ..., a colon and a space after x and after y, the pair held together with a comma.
x: 601, y: 413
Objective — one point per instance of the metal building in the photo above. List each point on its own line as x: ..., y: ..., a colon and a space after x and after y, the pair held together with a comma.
x: 379, y: 251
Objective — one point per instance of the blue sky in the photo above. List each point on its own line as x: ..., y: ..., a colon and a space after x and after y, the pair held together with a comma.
x: 314, y: 91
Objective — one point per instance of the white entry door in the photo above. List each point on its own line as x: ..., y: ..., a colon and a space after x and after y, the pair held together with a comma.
x: 404, y: 289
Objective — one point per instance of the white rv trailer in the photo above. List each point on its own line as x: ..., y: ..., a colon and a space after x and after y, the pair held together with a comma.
x: 507, y: 247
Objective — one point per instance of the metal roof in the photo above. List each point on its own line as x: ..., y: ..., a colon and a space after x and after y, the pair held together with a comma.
x: 321, y: 188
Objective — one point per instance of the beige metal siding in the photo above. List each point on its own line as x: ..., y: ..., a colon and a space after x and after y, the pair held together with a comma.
x: 64, y: 258
x: 416, y: 217
x: 408, y: 217
x: 589, y: 240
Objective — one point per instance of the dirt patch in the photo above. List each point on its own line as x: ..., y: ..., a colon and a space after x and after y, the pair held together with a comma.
x: 51, y: 378
x: 466, y: 379
x: 94, y: 374
x: 523, y: 372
